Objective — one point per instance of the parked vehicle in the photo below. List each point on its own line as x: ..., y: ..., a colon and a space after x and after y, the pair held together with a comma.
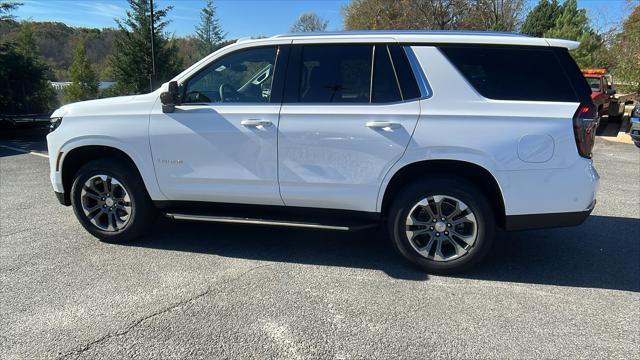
x: 635, y: 125
x: 604, y: 94
x: 429, y: 134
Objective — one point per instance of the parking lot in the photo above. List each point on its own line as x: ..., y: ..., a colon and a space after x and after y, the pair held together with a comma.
x: 228, y: 291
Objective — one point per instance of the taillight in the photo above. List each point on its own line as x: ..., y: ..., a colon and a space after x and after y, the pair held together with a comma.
x: 584, y: 128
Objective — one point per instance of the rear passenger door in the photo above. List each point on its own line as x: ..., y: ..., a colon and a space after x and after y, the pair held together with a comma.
x: 348, y: 114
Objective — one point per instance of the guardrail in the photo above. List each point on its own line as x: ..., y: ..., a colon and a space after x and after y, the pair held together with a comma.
x: 25, y: 118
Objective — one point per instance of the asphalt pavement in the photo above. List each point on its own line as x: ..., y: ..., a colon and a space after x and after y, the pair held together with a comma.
x: 233, y: 291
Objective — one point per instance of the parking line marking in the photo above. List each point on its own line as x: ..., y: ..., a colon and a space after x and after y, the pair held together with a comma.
x: 24, y: 151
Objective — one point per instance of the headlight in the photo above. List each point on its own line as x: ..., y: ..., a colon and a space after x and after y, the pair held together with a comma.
x: 55, y: 122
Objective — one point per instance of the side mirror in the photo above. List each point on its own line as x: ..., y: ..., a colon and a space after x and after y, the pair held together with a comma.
x: 611, y: 91
x: 170, y: 98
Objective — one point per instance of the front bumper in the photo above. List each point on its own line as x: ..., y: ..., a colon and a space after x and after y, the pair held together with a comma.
x: 544, y: 221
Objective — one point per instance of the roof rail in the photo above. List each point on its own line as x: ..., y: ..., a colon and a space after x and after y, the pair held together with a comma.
x: 403, y: 32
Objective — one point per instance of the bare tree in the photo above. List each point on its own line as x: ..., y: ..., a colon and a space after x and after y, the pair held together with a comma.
x: 309, y: 22
x: 498, y: 15
x: 502, y: 15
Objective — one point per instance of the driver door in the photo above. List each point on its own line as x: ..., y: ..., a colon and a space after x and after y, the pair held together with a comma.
x: 220, y: 144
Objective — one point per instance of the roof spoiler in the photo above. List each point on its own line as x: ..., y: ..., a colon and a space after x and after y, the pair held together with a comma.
x: 569, y: 44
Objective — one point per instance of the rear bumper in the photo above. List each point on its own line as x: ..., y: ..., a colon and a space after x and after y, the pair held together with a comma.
x: 543, y: 221
x: 635, y: 129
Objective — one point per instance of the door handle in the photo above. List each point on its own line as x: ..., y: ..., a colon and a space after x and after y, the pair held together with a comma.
x: 255, y: 122
x: 382, y: 125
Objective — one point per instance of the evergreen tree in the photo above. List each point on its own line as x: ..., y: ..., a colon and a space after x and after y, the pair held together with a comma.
x: 25, y: 89
x: 541, y: 18
x: 573, y: 24
x: 131, y: 62
x: 84, y: 84
x: 309, y: 22
x: 26, y: 42
x: 6, y: 7
x: 209, y: 34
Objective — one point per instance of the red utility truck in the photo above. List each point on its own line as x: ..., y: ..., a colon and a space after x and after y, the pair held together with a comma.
x: 604, y: 94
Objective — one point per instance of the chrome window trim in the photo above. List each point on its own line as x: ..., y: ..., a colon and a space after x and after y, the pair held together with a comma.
x: 423, y: 84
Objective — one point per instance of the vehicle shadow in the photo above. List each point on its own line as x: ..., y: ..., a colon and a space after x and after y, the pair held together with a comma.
x: 601, y: 253
x: 604, y: 252
x: 30, y: 137
x: 610, y: 127
x: 366, y: 249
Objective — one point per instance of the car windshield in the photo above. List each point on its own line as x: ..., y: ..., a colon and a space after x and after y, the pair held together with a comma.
x: 594, y: 83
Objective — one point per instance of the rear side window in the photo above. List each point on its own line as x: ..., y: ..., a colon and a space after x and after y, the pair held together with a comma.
x: 349, y: 73
x: 385, y: 84
x: 512, y: 73
x: 336, y: 73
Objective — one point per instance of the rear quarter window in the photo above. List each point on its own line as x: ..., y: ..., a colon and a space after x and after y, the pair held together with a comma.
x: 512, y: 73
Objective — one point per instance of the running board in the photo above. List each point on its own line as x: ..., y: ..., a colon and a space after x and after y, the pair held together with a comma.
x: 269, y: 222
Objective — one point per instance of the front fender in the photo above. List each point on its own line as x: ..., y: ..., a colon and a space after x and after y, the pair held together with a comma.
x: 140, y: 155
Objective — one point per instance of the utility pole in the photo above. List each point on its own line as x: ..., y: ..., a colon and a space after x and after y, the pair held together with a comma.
x: 153, y: 57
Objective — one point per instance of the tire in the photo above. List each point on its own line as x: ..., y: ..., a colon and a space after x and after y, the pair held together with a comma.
x: 637, y: 143
x: 109, y: 221
x: 451, y: 258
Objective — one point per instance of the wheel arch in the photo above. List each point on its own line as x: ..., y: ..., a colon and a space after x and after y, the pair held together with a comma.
x: 77, y: 157
x: 477, y: 174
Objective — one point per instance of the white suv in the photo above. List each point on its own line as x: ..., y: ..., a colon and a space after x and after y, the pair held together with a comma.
x: 439, y: 136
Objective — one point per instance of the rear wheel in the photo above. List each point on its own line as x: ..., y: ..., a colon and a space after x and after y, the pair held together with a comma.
x: 110, y: 201
x: 443, y: 225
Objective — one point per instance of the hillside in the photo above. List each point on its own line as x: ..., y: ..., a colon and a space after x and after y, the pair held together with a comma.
x: 55, y: 42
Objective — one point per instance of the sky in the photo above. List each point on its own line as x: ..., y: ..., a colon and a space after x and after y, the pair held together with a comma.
x: 244, y: 18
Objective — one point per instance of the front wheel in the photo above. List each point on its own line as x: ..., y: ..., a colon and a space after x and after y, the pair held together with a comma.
x: 443, y: 225
x: 110, y: 201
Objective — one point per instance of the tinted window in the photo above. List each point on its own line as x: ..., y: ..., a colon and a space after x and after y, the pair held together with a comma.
x: 512, y: 73
x: 335, y: 73
x: 408, y: 84
x: 385, y: 85
x: 242, y: 76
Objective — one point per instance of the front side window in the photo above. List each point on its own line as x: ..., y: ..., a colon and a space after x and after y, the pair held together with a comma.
x: 243, y: 76
x: 335, y: 74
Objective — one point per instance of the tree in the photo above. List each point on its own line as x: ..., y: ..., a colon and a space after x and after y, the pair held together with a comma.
x: 84, y: 79
x: 377, y: 15
x: 573, y: 24
x: 626, y: 50
x: 541, y: 18
x: 26, y: 42
x: 131, y: 62
x: 309, y: 22
x: 25, y: 89
x: 6, y: 7
x: 495, y: 15
x: 209, y: 34
x: 502, y: 15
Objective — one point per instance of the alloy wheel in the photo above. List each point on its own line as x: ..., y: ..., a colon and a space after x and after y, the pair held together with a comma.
x: 106, y: 203
x: 441, y: 228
